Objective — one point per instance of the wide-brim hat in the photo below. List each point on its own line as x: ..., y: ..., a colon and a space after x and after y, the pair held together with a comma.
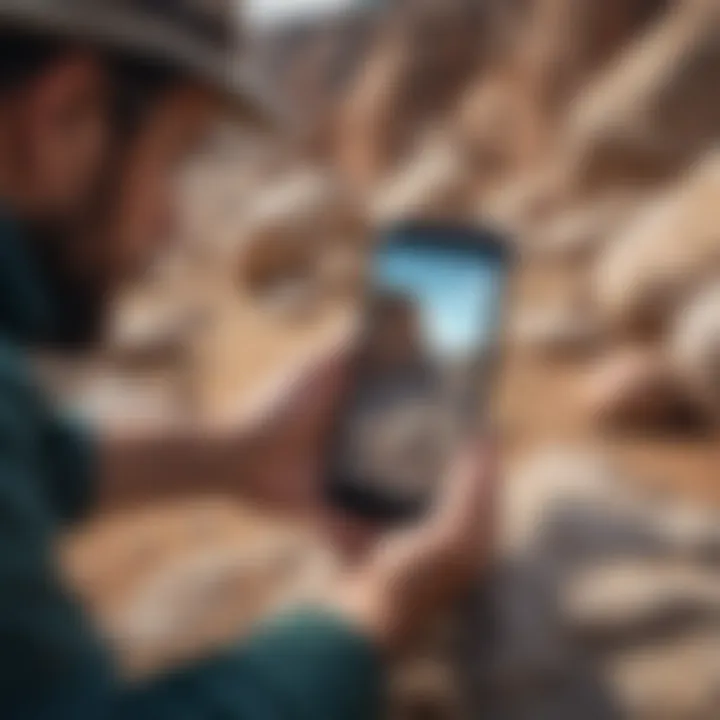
x: 200, y: 37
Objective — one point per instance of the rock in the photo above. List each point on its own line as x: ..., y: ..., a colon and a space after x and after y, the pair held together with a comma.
x: 425, y: 689
x: 625, y: 602
x: 413, y: 75
x: 581, y: 232
x: 556, y: 332
x: 547, y: 478
x: 670, y: 680
x: 196, y: 603
x: 149, y: 333
x: 567, y: 41
x: 695, y: 347
x: 637, y: 389
x: 528, y: 202
x: 654, y: 109
x: 591, y: 571
x: 292, y: 224
x: 294, y: 300
x: 568, y: 507
x: 436, y: 184
x: 497, y: 129
x: 663, y: 254
x: 341, y: 272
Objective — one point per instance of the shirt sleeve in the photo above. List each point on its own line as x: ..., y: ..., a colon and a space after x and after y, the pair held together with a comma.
x: 47, y: 644
x: 308, y: 665
x: 71, y: 482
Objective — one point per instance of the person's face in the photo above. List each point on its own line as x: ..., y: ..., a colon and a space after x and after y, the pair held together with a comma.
x: 60, y: 135
x: 145, y: 215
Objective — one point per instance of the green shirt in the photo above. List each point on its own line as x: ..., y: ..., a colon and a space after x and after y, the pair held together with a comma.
x: 53, y: 664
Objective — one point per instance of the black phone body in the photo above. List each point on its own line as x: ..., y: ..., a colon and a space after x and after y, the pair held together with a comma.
x: 424, y: 367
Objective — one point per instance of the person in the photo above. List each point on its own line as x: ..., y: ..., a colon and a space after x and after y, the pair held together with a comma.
x: 68, y: 150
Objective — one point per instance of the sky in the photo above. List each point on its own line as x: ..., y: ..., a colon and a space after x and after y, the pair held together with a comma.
x: 459, y: 298
x: 269, y: 11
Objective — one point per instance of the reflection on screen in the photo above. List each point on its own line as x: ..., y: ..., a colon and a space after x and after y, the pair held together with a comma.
x: 431, y: 326
x: 455, y: 294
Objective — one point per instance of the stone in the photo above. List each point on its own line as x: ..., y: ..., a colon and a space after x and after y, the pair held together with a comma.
x: 341, y: 272
x: 670, y: 680
x: 497, y: 129
x: 546, y: 478
x: 435, y: 184
x: 145, y: 332
x: 637, y: 389
x: 653, y: 110
x: 581, y: 232
x: 672, y: 244
x: 412, y: 77
x: 193, y: 605
x: 556, y: 332
x: 425, y: 689
x: 695, y: 346
x: 293, y: 222
x: 569, y: 506
x: 624, y: 602
x: 566, y: 42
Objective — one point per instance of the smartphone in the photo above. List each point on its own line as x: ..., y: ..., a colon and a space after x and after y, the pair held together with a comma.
x: 425, y: 366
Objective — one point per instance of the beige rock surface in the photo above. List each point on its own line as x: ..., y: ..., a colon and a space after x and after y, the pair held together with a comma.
x: 638, y: 388
x: 653, y: 110
x: 670, y: 247
x: 696, y: 346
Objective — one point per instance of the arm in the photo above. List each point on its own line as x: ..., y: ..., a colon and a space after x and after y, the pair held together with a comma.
x: 271, y: 459
x: 47, y: 645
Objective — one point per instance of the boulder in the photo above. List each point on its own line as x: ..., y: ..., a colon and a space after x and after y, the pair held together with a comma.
x: 637, y: 389
x: 672, y: 679
x: 625, y: 602
x: 566, y: 41
x: 340, y: 272
x: 695, y: 347
x: 192, y: 605
x: 530, y: 201
x: 556, y: 332
x: 434, y: 184
x: 593, y: 570
x: 412, y: 77
x: 292, y: 225
x: 498, y: 129
x: 572, y: 508
x: 579, y: 233
x: 663, y: 254
x: 654, y: 110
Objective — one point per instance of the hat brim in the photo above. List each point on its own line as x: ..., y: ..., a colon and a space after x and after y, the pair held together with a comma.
x: 240, y: 85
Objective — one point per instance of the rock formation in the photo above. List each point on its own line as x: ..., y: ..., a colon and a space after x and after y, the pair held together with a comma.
x: 663, y: 254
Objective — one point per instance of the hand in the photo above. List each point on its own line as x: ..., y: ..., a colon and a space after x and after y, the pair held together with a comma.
x: 283, y: 453
x: 412, y: 576
x: 273, y: 458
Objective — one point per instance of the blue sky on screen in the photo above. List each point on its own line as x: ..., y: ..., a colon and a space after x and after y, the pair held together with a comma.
x: 458, y: 297
x: 269, y: 11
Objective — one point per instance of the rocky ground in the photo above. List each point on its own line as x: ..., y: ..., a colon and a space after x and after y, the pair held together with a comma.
x: 589, y: 132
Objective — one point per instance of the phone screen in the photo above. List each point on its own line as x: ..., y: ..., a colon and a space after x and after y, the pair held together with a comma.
x: 429, y: 346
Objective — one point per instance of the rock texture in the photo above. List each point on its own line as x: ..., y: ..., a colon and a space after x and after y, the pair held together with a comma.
x: 696, y: 346
x: 670, y: 247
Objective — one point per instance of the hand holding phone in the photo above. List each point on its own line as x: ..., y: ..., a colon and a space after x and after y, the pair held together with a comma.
x: 424, y: 370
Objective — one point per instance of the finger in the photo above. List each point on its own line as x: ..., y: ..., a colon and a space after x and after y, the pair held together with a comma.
x: 318, y: 380
x: 468, y: 496
x: 351, y: 538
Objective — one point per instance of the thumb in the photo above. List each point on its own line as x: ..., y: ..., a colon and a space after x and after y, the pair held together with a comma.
x: 468, y: 497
